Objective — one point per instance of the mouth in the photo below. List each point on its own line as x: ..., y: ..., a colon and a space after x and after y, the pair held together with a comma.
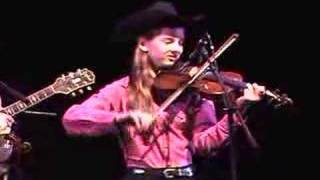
x: 172, y: 58
x: 171, y: 61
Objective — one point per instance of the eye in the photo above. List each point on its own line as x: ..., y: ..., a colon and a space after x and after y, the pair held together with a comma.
x: 167, y: 40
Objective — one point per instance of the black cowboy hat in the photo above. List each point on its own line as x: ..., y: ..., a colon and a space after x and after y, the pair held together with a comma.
x: 158, y: 14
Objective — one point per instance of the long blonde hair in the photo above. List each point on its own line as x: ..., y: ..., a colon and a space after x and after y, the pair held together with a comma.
x: 142, y: 77
x: 141, y: 80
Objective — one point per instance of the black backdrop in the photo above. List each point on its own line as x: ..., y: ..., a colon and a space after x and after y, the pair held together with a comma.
x: 40, y: 42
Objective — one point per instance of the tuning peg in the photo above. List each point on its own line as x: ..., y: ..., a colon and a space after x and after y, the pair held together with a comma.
x: 81, y: 91
x: 78, y: 71
x: 71, y: 74
x: 89, y: 88
x: 270, y: 100
x: 73, y: 94
x: 286, y: 99
x: 277, y: 91
x: 277, y: 106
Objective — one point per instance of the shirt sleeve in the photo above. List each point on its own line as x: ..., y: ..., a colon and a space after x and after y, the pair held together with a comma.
x: 95, y: 116
x: 208, y: 133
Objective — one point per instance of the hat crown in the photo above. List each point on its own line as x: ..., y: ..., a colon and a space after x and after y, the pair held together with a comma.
x: 158, y: 14
x: 164, y: 7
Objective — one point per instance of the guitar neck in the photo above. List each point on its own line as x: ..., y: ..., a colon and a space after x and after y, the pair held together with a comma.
x: 31, y: 100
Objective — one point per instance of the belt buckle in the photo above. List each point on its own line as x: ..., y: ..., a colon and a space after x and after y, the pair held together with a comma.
x: 169, y: 173
x: 138, y: 171
x: 187, y: 171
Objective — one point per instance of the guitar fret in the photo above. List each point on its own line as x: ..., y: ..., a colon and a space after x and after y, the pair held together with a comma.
x: 35, y: 98
x: 15, y: 108
x: 41, y: 95
x: 11, y: 111
x: 44, y: 93
x: 63, y: 85
x: 32, y: 100
x: 20, y: 105
x: 48, y: 91
x: 8, y: 111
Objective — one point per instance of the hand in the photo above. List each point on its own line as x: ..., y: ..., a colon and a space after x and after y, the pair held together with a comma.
x: 253, y: 92
x: 5, y: 122
x: 142, y: 120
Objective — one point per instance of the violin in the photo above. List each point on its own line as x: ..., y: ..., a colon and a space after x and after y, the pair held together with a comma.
x: 210, y: 84
x: 207, y: 84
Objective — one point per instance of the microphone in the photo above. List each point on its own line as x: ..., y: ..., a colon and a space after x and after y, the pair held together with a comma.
x: 210, y: 43
x: 195, y: 53
x: 202, y: 50
x: 13, y: 92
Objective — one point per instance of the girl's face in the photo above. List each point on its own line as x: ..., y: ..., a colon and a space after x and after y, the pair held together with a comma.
x: 164, y: 48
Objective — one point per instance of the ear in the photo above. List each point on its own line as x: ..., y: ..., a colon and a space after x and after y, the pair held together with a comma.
x: 142, y: 45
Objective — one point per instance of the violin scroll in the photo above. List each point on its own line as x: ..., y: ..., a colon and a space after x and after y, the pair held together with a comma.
x: 278, y: 99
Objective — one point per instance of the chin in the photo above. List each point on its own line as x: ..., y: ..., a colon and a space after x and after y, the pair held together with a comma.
x: 166, y: 65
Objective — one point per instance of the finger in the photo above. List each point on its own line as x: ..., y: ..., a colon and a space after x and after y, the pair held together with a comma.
x: 258, y: 90
x: 140, y: 125
x: 137, y: 121
x: 247, y: 90
x: 145, y: 124
x: 10, y: 120
x: 193, y: 71
x: 249, y: 87
x: 148, y: 121
x: 258, y: 87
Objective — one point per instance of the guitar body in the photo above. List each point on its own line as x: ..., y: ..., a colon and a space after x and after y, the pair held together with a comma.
x: 6, y: 148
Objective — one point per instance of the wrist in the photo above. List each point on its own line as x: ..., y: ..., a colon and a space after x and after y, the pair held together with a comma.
x: 240, y: 101
x: 244, y: 104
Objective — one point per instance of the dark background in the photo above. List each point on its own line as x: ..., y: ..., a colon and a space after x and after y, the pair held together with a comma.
x: 40, y: 42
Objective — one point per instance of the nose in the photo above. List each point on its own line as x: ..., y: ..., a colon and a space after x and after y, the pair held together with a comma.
x: 177, y: 49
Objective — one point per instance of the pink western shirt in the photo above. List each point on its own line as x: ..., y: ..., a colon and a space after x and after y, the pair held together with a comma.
x: 170, y: 149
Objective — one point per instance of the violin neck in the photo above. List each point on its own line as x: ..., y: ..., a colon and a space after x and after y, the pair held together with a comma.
x: 234, y: 83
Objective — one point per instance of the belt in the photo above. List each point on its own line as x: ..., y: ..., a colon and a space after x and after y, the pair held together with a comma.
x: 166, y: 172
